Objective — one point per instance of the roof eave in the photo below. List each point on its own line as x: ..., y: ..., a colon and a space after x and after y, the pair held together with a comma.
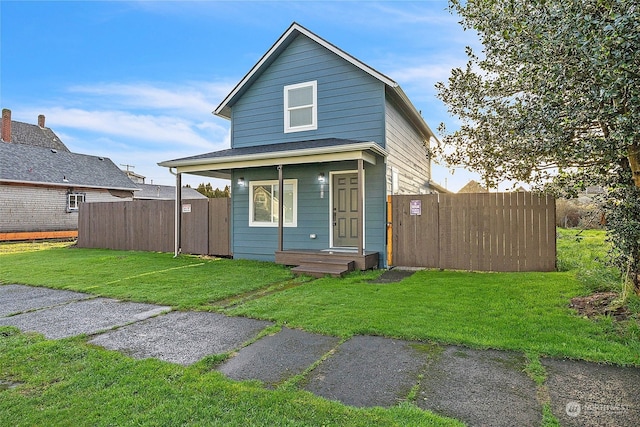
x: 66, y: 185
x: 362, y: 146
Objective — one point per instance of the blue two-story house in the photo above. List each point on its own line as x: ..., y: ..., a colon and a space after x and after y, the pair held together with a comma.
x: 319, y: 140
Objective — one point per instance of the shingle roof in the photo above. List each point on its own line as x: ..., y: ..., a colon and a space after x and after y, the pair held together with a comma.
x: 165, y: 192
x: 270, y: 148
x: 25, y: 133
x: 37, y: 165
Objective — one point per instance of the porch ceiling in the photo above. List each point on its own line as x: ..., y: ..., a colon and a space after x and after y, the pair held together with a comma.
x: 220, y: 163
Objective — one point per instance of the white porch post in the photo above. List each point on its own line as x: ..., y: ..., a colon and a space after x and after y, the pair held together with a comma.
x: 360, y: 207
x: 280, y: 209
x: 178, y: 222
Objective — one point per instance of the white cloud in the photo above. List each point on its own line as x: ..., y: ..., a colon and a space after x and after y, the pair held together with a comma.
x: 196, y: 98
x: 158, y: 129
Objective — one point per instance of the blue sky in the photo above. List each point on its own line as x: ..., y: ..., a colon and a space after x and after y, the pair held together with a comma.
x: 136, y: 81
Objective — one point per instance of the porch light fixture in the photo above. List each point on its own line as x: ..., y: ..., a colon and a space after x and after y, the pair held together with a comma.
x: 241, y: 181
x: 321, y: 177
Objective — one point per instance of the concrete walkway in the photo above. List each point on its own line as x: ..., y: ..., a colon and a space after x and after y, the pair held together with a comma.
x: 479, y: 387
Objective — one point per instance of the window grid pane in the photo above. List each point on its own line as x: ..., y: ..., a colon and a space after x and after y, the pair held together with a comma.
x: 301, y: 117
x: 300, y: 97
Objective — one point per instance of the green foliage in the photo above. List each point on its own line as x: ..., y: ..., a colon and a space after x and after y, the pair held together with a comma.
x: 208, y: 191
x: 555, y: 94
x: 584, y: 252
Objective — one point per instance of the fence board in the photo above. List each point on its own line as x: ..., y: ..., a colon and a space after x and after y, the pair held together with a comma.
x: 148, y: 225
x: 484, y: 232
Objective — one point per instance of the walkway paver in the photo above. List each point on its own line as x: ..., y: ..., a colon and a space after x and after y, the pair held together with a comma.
x: 88, y: 316
x: 476, y: 386
x: 182, y: 337
x: 369, y: 371
x: 590, y: 394
x: 20, y: 298
x: 276, y: 358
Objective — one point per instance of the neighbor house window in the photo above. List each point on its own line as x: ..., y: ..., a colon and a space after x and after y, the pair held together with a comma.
x: 264, y: 199
x: 301, y: 107
x: 74, y: 200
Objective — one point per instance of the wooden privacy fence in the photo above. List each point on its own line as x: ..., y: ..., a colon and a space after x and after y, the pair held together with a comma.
x: 481, y: 232
x: 149, y: 225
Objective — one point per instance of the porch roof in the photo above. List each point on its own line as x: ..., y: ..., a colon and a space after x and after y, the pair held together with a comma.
x: 219, y: 164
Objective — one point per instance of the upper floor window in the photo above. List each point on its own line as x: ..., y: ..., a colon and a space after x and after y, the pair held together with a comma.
x: 74, y: 200
x: 301, y: 107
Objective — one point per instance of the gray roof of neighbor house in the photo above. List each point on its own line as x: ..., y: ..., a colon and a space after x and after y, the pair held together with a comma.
x: 165, y: 192
x: 25, y: 133
x: 22, y: 163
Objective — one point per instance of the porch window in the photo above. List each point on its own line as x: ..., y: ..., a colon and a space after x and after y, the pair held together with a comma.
x: 301, y: 107
x: 74, y: 200
x: 263, y: 203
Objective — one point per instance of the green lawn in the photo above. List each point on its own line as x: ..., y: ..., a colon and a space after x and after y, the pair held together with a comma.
x: 186, y: 282
x: 527, y: 312
x: 517, y: 311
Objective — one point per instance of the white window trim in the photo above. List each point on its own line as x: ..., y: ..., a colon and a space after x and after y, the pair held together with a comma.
x: 273, y: 183
x: 76, y: 202
x: 314, y: 108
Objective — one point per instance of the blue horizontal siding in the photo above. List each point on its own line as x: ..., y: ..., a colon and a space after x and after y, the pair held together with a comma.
x: 313, y: 211
x: 351, y: 103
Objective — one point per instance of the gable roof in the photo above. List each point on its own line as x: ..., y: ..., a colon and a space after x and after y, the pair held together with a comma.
x: 391, y: 87
x: 165, y: 192
x: 25, y: 133
x: 473, y: 187
x: 22, y: 163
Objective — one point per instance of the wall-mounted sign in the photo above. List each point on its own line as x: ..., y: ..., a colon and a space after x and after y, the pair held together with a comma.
x: 186, y: 208
x: 415, y: 207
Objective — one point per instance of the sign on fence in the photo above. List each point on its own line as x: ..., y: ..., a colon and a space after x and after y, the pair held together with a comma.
x: 416, y: 207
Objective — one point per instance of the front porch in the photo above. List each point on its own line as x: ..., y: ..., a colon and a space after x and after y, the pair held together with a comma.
x: 333, y: 262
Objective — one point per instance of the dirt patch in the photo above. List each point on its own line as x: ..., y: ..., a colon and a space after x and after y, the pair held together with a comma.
x: 599, y: 304
x: 393, y: 276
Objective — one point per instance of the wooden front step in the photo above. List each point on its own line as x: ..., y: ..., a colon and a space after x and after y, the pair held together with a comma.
x: 320, y: 267
x: 300, y: 256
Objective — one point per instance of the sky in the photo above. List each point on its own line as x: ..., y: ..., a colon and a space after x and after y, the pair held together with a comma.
x: 137, y: 81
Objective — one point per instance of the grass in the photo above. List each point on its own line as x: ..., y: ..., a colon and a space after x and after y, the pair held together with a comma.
x: 525, y: 312
x: 186, y: 282
x: 67, y: 382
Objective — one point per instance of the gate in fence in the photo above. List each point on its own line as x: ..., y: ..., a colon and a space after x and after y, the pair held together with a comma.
x: 481, y: 232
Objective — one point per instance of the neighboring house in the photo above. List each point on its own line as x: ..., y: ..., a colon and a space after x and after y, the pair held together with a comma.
x: 334, y: 134
x: 137, y: 178
x: 42, y: 183
x: 165, y: 192
x: 473, y: 187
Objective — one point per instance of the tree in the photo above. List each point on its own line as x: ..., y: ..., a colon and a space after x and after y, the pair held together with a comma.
x: 555, y: 95
x: 208, y: 191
